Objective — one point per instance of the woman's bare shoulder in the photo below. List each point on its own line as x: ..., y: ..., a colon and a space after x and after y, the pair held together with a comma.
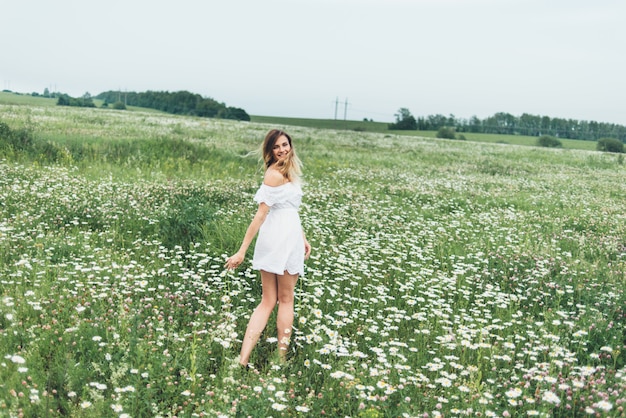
x: 273, y: 177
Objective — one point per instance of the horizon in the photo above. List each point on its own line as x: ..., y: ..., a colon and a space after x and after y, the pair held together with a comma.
x: 37, y: 94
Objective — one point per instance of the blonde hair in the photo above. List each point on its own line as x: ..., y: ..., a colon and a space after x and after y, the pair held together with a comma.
x: 291, y: 166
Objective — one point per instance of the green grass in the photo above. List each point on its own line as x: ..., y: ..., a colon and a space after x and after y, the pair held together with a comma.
x: 458, y: 278
x: 324, y: 123
x: 8, y: 98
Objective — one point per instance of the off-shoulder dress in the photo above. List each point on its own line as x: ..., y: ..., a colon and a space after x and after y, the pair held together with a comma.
x: 280, y: 245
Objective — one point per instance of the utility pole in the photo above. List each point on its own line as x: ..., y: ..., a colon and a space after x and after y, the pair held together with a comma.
x: 345, y: 108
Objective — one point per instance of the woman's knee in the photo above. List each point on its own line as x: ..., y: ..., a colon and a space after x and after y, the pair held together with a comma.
x: 267, y: 304
x: 285, y: 297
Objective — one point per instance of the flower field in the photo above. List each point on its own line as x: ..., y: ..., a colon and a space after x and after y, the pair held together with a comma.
x: 447, y: 278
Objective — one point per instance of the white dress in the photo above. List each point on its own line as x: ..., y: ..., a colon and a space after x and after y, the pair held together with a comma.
x: 280, y: 246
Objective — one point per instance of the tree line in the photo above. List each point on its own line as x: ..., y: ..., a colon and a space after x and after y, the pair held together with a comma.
x: 507, y: 124
x: 179, y: 103
x: 67, y: 100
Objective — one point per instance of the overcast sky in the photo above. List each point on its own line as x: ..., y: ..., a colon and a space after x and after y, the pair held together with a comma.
x: 298, y: 58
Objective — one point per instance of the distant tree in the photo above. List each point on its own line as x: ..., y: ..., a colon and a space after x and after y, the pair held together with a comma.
x: 436, y: 121
x: 531, y: 125
x: 86, y: 100
x: 233, y: 113
x: 63, y: 100
x: 119, y: 105
x: 404, y: 121
x: 66, y: 100
x: 46, y: 92
x: 446, y: 133
x: 610, y: 145
x: 180, y: 102
x: 549, y: 142
x: 475, y: 125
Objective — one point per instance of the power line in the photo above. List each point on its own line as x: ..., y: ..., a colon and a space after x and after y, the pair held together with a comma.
x: 345, y: 109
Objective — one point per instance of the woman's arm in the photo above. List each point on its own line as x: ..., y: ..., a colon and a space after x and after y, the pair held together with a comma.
x: 307, y: 247
x: 236, y: 259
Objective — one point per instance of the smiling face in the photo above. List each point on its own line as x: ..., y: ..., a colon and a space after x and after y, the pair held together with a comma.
x: 281, y: 148
x: 277, y: 147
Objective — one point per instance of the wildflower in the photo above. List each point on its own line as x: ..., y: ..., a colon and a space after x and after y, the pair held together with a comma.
x: 302, y: 409
x: 99, y: 386
x: 514, y: 393
x: 551, y: 397
x: 604, y: 405
x: 186, y: 393
x: 34, y: 396
x: 117, y: 407
x: 24, y: 263
x: 85, y: 404
x: 17, y: 359
x: 279, y: 406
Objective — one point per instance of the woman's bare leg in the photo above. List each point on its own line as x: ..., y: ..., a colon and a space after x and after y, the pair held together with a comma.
x: 258, y: 319
x: 284, y: 319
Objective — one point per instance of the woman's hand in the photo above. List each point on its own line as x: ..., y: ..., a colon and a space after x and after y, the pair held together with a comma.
x: 307, y: 249
x: 234, y: 261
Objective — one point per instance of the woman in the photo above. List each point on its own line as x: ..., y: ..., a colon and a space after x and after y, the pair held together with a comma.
x: 281, y: 246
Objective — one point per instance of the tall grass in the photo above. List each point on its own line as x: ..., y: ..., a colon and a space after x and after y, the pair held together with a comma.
x: 448, y: 278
